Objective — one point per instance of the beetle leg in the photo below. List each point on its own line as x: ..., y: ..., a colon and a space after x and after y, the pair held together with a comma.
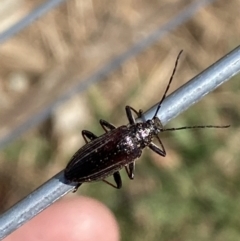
x: 156, y: 149
x: 130, y: 168
x: 140, y: 113
x: 87, y: 134
x: 106, y: 125
x: 76, y: 187
x: 130, y: 116
x: 117, y: 179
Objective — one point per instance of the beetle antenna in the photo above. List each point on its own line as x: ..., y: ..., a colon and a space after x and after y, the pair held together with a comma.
x: 169, y: 83
x: 193, y: 127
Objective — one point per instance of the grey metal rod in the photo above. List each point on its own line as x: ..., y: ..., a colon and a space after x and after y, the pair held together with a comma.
x: 195, y: 89
x: 172, y: 106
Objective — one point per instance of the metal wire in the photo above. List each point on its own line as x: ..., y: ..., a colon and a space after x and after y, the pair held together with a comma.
x: 106, y: 70
x: 172, y: 106
x: 197, y: 88
x: 25, y: 21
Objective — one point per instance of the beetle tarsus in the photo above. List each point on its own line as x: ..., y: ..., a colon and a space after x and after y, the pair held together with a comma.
x: 76, y: 187
x: 88, y: 134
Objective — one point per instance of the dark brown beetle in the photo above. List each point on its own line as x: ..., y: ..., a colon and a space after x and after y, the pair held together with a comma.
x: 119, y: 147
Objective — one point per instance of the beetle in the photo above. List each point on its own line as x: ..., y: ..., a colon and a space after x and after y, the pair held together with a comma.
x: 119, y: 147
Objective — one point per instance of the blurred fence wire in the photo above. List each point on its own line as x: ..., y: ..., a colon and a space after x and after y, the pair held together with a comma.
x: 31, y: 17
x: 100, y: 74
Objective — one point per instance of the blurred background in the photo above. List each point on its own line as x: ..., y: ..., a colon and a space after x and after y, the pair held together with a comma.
x: 192, y: 193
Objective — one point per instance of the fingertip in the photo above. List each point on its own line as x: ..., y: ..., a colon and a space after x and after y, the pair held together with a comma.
x: 78, y: 218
